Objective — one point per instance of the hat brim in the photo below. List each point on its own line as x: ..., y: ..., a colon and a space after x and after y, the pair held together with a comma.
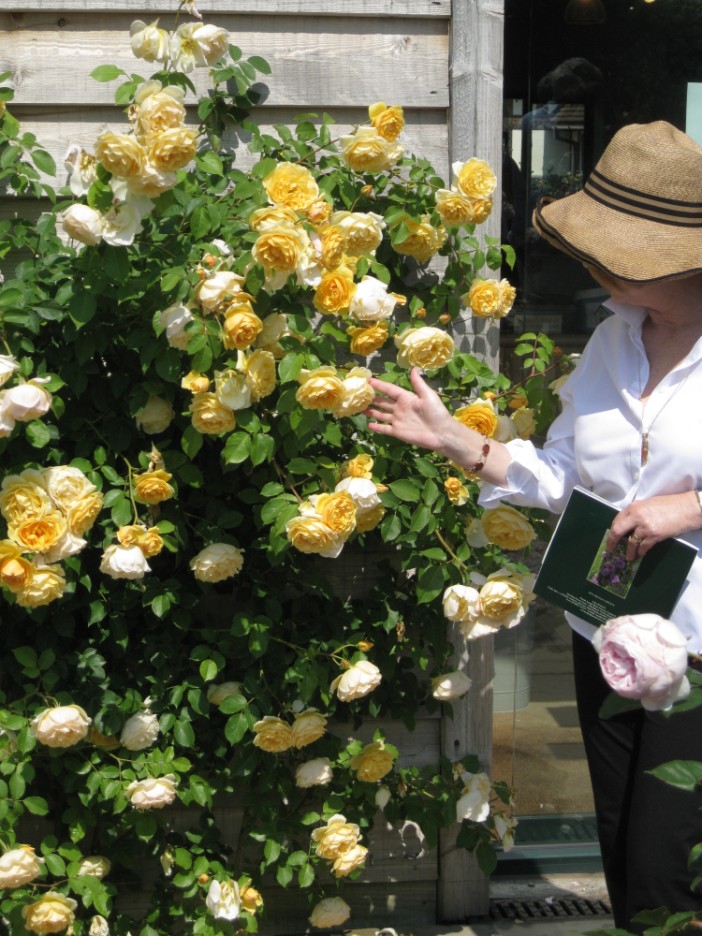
x: 624, y: 246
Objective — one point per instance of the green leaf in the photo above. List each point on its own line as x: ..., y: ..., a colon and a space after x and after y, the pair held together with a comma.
x: 208, y: 670
x: 236, y: 728
x: 106, y: 73
x: 25, y: 656
x: 210, y: 162
x: 43, y: 161
x: 183, y: 733
x: 237, y: 448
x: 191, y: 441
x: 260, y: 64
x: 36, y: 805
x: 686, y: 775
x: 405, y: 490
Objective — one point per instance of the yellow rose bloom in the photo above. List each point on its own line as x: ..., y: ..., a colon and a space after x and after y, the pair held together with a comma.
x: 456, y: 491
x: 480, y: 416
x: 259, y: 367
x: 83, y: 513
x: 524, y: 422
x: 196, y: 382
x: 209, y: 416
x: 271, y: 216
x: 240, y: 328
x: 360, y: 466
x: 16, y: 572
x: 423, y: 241
x: 373, y: 763
x: 173, y: 149
x: 152, y: 487
x: 500, y: 599
x: 484, y: 297
x: 424, y: 347
x: 24, y: 496
x: 369, y: 519
x: 120, y: 154
x: 273, y: 734
x: 338, y: 511
x: 367, y: 151
x: 507, y: 528
x: 357, y: 393
x: 335, y: 838
x: 333, y: 247
x: 365, y: 341
x: 148, y: 539
x: 334, y: 293
x: 319, y: 213
x: 251, y: 899
x: 389, y: 122
x: 278, y: 248
x: 455, y: 210
x: 475, y: 178
x: 320, y: 389
x: 52, y: 913
x: 310, y: 534
x: 349, y: 861
x: 308, y: 727
x: 40, y: 534
x: 156, y: 114
x: 46, y: 585
x: 292, y: 186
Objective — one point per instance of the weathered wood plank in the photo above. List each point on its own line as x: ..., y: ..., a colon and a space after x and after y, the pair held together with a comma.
x: 409, y: 8
x: 314, y: 63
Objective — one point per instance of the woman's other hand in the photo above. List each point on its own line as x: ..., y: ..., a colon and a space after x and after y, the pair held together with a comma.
x: 646, y: 522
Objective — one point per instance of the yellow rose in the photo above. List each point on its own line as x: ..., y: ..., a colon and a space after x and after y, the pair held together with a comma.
x: 373, y: 763
x: 159, y: 112
x: 24, y: 496
x: 360, y: 466
x: 367, y: 151
x: 333, y: 247
x: 425, y: 347
x: 319, y: 213
x: 83, y: 512
x: 279, y: 248
x: 456, y: 210
x: 19, y: 866
x: 484, y: 298
x: 65, y: 484
x: 196, y: 382
x: 120, y: 154
x: 251, y: 899
x: 241, y: 327
x: 357, y: 393
x: 338, y: 511
x: 500, y: 599
x: 456, y: 491
x: 273, y: 734
x: 310, y: 534
x: 291, y: 185
x: 363, y: 231
x: 308, y: 727
x: 475, y: 178
x: 423, y: 239
x: 40, y: 534
x: 271, y: 217
x: 480, y: 416
x: 16, y: 572
x: 507, y: 296
x: 259, y: 367
x: 148, y: 539
x: 365, y: 341
x: 275, y: 327
x: 335, y: 838
x: 349, y: 861
x: 152, y: 793
x: 46, y: 585
x: 507, y: 528
x: 217, y: 562
x: 388, y: 121
x: 209, y: 416
x: 173, y: 149
x: 218, y: 291
x: 152, y: 487
x: 369, y: 519
x: 52, y: 913
x: 61, y: 727
x: 320, y: 388
x: 524, y: 422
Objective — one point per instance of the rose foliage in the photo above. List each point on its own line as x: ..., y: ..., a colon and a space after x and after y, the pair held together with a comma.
x: 186, y: 469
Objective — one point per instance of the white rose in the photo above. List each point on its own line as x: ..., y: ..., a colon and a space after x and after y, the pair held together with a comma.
x: 505, y: 827
x: 26, y: 401
x: 223, y: 900
x: 174, y: 320
x: 357, y: 393
x: 155, y: 416
x: 82, y: 169
x: 316, y: 772
x: 360, y: 679
x: 331, y: 911
x: 95, y: 866
x: 122, y: 224
x: 84, y: 224
x: 124, y: 562
x: 66, y: 484
x: 218, y: 290
x: 140, y: 731
x: 8, y: 366
x: 68, y: 545
x: 362, y: 490
x: 232, y: 389
x: 461, y: 603
x: 506, y: 429
x: 99, y: 926
x: 217, y: 562
x: 371, y: 301
x: 18, y: 867
x: 197, y: 44
x: 382, y: 797
x: 149, y: 42
x: 474, y: 803
x: 450, y: 686
x: 152, y: 793
x: 61, y: 727
x: 218, y: 692
x: 475, y: 534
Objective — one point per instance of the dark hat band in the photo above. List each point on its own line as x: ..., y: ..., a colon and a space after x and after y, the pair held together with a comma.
x: 642, y: 205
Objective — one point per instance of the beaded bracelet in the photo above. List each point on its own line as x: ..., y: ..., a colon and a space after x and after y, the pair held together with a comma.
x: 480, y: 464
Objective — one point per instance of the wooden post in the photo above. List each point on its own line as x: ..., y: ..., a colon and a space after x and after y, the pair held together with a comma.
x: 477, y: 35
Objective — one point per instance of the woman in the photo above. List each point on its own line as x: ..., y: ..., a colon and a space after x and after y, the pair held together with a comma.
x: 630, y: 432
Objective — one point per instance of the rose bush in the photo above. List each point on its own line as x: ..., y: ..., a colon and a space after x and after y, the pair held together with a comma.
x: 187, y: 348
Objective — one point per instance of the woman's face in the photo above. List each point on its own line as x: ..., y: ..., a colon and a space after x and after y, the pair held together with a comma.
x: 648, y: 295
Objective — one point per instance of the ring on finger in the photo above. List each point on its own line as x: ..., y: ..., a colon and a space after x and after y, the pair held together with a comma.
x: 636, y: 540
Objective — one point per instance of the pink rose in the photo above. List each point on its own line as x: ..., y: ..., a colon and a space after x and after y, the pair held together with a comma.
x: 644, y: 656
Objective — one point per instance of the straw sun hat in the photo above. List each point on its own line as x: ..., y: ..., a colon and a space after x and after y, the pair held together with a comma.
x: 639, y: 216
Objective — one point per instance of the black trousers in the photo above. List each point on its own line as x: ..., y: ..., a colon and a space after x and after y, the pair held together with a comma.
x: 646, y: 827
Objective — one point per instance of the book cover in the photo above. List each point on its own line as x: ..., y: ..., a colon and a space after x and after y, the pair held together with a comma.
x: 580, y: 575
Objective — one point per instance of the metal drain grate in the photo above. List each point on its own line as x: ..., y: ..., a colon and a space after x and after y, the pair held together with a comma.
x: 549, y: 907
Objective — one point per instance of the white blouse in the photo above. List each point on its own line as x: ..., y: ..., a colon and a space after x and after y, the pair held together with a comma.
x: 596, y: 442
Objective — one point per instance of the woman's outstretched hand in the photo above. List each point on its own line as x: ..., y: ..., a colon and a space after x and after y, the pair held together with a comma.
x: 418, y: 418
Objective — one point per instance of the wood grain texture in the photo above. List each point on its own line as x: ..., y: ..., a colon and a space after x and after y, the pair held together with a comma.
x: 415, y: 9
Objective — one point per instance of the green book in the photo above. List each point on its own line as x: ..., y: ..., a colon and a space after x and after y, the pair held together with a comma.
x: 580, y: 575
